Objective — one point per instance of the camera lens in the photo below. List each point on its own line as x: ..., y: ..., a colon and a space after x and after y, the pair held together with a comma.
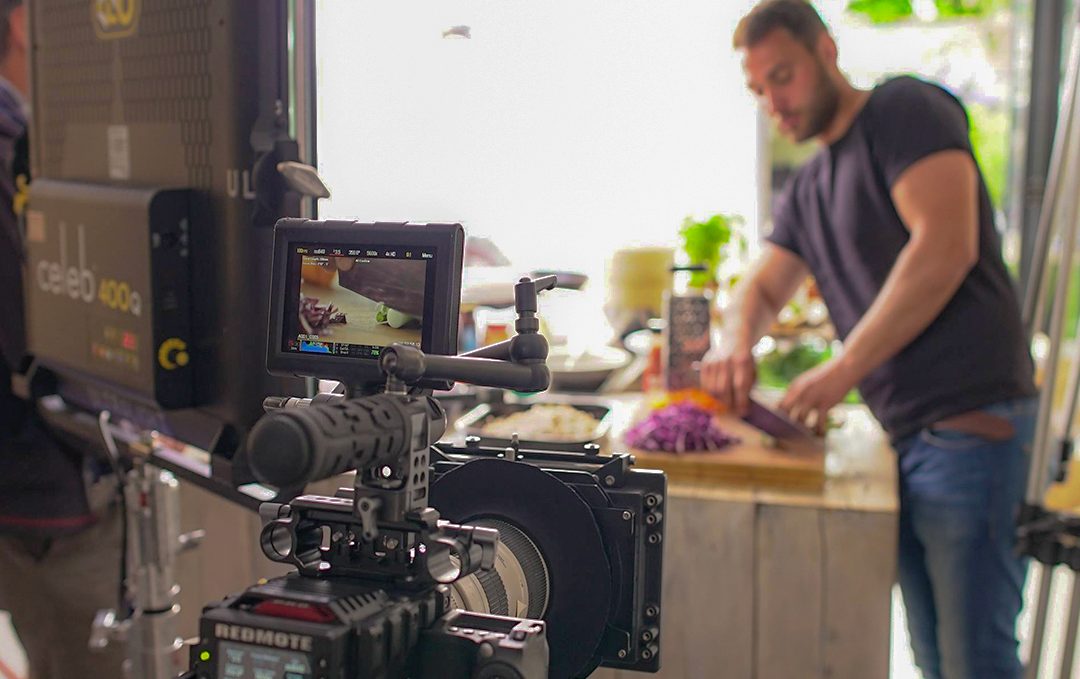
x: 518, y: 585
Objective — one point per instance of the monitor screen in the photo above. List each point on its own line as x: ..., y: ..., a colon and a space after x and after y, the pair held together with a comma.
x: 353, y: 300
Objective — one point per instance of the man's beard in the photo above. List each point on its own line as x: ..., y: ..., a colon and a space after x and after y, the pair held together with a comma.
x: 820, y: 112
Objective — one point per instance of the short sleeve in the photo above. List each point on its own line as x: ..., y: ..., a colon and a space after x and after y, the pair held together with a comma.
x: 913, y: 119
x: 786, y: 220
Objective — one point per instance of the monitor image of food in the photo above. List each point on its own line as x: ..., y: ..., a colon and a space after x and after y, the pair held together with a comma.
x: 362, y: 301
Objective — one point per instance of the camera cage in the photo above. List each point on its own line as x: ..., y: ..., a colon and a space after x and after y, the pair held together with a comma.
x: 383, y: 533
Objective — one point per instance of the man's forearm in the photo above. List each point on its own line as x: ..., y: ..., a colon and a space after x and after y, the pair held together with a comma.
x: 923, y: 280
x: 748, y: 319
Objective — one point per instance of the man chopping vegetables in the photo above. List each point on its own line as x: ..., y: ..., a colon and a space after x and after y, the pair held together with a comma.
x: 893, y: 220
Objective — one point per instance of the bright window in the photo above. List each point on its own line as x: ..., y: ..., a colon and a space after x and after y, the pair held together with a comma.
x: 562, y: 130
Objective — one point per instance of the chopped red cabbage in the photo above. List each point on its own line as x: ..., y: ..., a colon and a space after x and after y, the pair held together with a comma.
x: 679, y: 428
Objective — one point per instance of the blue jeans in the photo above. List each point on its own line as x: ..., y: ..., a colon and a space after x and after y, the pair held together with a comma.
x: 961, y: 580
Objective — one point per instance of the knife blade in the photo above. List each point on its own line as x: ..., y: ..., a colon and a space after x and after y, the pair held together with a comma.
x: 775, y: 424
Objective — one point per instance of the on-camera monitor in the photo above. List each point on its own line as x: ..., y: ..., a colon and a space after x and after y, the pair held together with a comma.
x: 342, y: 291
x: 353, y: 301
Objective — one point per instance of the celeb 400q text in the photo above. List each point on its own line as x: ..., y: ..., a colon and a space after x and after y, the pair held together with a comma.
x: 79, y: 282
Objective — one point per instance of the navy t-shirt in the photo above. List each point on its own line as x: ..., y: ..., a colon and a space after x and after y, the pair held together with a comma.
x: 837, y: 215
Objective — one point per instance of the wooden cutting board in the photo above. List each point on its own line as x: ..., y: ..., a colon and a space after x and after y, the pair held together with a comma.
x: 753, y: 461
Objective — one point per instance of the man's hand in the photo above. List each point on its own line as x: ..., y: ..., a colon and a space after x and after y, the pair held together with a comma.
x: 728, y: 371
x: 812, y: 394
x: 729, y: 376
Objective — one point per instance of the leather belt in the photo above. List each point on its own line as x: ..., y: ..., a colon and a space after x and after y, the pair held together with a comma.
x: 978, y: 423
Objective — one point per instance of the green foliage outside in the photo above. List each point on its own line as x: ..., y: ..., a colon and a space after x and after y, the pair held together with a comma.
x: 882, y: 11
x: 890, y: 11
x: 990, y: 141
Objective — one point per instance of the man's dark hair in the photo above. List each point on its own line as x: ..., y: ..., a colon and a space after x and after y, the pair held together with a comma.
x: 798, y: 17
x: 6, y: 7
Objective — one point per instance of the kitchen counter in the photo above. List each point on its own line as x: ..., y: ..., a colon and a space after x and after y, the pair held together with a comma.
x: 770, y: 583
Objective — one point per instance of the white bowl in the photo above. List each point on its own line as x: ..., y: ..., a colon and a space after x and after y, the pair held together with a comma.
x: 584, y: 371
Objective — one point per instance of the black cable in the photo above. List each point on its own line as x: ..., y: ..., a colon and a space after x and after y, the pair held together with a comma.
x: 123, y: 608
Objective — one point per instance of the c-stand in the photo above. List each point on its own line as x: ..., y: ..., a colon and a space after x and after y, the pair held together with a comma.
x: 1053, y: 538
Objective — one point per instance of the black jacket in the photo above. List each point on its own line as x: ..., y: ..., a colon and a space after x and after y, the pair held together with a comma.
x: 41, y: 481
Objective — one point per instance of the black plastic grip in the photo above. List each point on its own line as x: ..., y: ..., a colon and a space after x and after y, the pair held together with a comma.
x: 292, y: 447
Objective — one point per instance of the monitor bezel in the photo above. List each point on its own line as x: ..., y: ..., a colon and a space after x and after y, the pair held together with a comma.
x: 447, y: 239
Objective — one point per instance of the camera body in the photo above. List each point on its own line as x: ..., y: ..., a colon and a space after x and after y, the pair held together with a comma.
x: 391, y: 607
x: 299, y: 627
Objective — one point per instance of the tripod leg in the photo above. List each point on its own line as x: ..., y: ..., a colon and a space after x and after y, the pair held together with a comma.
x: 1038, y: 478
x: 1038, y: 631
x: 1058, y: 218
x: 1071, y: 630
x: 1055, y: 462
x: 1034, y: 303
